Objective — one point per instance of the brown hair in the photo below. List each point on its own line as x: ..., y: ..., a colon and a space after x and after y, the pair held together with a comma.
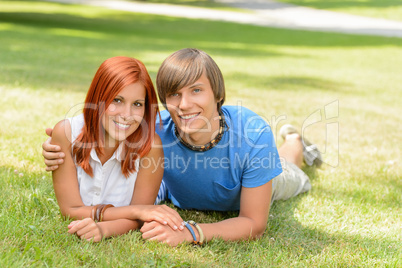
x: 113, y: 75
x: 183, y: 68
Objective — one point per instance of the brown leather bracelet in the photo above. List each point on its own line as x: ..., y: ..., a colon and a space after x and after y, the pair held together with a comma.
x: 103, y: 211
x: 98, y: 211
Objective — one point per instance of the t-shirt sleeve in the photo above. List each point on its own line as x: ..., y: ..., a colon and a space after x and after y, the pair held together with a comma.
x: 263, y: 163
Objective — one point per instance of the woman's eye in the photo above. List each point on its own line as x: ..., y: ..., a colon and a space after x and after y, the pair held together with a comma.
x: 197, y: 90
x: 117, y: 100
x: 137, y: 104
x: 174, y: 94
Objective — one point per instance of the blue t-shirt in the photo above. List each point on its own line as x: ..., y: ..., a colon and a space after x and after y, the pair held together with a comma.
x: 212, y: 180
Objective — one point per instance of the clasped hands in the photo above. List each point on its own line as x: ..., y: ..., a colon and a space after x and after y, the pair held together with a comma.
x: 161, y: 223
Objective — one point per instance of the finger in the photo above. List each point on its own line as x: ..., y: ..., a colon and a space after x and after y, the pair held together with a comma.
x: 49, y: 131
x: 151, y: 234
x: 171, y: 223
x: 95, y: 238
x: 171, y: 211
x: 147, y: 235
x: 52, y: 155
x: 87, y: 231
x: 148, y: 226
x: 157, y: 234
x: 164, y: 220
x: 53, y: 162
x: 52, y: 168
x: 92, y: 235
x: 163, y: 217
x: 72, y: 224
x: 79, y: 226
x: 47, y: 146
x: 173, y: 218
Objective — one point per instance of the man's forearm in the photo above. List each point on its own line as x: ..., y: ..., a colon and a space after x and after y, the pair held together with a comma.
x: 239, y: 228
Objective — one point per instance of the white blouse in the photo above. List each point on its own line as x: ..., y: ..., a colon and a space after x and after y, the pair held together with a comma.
x: 108, y: 185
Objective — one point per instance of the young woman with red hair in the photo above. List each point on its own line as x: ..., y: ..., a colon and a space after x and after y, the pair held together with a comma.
x: 113, y: 162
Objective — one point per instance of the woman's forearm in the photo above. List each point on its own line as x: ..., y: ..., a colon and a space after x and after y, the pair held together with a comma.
x: 146, y: 213
x: 77, y: 213
x: 131, y: 212
x: 117, y: 227
x: 116, y: 213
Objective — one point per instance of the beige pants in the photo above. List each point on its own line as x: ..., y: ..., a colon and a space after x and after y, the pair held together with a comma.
x: 291, y: 182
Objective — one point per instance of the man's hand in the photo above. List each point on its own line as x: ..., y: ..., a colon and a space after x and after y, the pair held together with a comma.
x: 163, y: 233
x: 86, y: 229
x: 51, y: 153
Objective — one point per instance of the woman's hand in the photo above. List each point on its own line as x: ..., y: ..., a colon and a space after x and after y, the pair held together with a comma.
x: 159, y: 213
x: 162, y: 233
x: 86, y: 229
x: 52, y: 153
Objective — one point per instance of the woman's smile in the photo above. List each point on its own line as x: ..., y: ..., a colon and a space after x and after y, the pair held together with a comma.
x: 121, y: 125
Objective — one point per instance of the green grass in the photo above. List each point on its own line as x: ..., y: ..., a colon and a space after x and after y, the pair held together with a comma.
x: 195, y: 3
x: 351, y: 218
x: 386, y: 9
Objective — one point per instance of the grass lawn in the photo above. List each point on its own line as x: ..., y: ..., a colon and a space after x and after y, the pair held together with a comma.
x: 195, y: 3
x: 351, y: 218
x: 386, y: 9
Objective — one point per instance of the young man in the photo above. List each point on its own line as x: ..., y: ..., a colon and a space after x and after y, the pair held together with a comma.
x: 217, y: 157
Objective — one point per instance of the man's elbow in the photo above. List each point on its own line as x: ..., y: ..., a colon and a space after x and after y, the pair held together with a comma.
x: 258, y: 233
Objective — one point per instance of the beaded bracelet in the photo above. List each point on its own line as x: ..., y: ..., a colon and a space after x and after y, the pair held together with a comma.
x: 200, y: 232
x: 192, y: 232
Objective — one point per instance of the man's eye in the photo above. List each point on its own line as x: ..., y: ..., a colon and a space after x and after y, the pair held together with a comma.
x: 174, y: 95
x: 196, y: 90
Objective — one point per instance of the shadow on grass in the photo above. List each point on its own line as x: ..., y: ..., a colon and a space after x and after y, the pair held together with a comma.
x: 180, y: 29
x: 292, y: 82
x: 62, y: 51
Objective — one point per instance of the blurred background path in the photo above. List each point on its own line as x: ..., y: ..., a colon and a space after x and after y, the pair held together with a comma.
x: 263, y: 13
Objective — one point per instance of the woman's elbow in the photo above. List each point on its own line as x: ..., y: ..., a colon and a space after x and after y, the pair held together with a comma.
x: 69, y: 213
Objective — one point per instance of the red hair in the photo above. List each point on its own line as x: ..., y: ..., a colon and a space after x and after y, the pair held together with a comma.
x: 113, y: 75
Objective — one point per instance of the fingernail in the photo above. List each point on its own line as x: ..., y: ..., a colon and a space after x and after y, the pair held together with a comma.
x: 181, y: 227
x: 60, y: 161
x: 61, y: 155
x: 175, y: 227
x: 165, y: 222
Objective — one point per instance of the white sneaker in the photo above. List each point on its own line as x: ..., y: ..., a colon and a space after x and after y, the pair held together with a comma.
x: 312, y: 155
